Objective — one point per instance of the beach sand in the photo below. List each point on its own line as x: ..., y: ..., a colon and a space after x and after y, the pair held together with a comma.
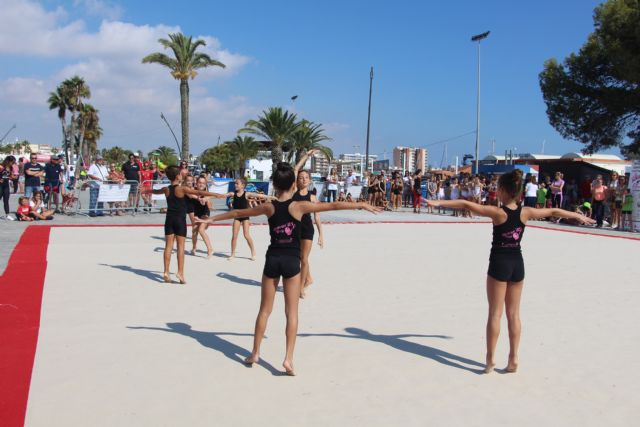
x: 391, y: 333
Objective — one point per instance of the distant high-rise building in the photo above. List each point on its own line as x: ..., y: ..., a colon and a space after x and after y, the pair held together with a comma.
x: 410, y: 159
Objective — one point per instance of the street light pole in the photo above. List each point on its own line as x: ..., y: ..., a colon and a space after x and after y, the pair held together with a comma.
x: 172, y: 133
x: 369, y: 119
x: 478, y: 38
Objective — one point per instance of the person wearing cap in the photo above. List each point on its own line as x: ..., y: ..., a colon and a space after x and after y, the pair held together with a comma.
x: 52, y: 181
x: 97, y: 174
x: 131, y: 170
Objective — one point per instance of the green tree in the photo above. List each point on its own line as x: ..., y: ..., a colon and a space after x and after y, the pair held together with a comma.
x: 166, y: 155
x: 594, y: 96
x: 219, y: 158
x: 89, y: 131
x: 6, y: 148
x: 277, y: 126
x: 243, y: 148
x: 115, y: 155
x: 308, y: 137
x: 183, y: 66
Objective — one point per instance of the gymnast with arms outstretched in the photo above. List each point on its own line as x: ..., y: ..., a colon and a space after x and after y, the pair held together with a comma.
x: 283, y: 254
x: 175, y: 224
x: 505, y: 276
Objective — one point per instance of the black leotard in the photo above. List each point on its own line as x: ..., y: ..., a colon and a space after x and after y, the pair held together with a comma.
x: 240, y: 202
x: 505, y: 262
x: 200, y: 210
x: 307, y: 224
x: 176, y: 220
x: 283, y: 255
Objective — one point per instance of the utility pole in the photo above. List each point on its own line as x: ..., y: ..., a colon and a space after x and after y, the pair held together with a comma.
x: 369, y: 118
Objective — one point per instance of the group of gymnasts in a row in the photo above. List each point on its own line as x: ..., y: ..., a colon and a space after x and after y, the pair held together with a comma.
x: 291, y: 231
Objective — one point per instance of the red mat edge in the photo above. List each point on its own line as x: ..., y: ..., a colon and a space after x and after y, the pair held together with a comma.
x: 21, y: 287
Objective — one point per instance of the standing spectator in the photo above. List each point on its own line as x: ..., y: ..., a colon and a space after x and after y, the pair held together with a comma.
x: 332, y: 185
x: 184, y: 169
x: 406, y: 190
x: 6, y: 170
x: 557, y: 188
x: 131, y: 169
x: 432, y: 192
x: 348, y: 181
x: 98, y: 173
x: 417, y: 191
x: 599, y: 194
x: 627, y: 210
x: 15, y: 174
x: 612, y: 191
x: 616, y: 202
x: 116, y: 177
x: 32, y: 173
x: 531, y: 192
x: 541, y: 195
x: 52, y: 181
x: 23, y: 160
x: 585, y: 188
x: 364, y: 181
x: 147, y: 177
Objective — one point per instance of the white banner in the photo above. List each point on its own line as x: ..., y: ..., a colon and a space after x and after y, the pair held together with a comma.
x: 634, y: 186
x: 219, y: 187
x: 113, y: 192
x: 157, y: 187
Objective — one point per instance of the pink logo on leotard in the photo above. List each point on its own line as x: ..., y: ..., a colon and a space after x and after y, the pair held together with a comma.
x: 514, y: 234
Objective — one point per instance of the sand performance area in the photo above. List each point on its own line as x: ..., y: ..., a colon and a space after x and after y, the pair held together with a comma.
x: 392, y: 333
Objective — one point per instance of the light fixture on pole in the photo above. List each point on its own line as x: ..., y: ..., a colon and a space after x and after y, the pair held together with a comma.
x: 369, y: 119
x: 478, y: 38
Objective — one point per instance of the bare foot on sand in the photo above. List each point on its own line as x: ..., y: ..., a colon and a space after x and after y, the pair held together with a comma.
x: 250, y: 360
x: 512, y: 366
x: 288, y: 368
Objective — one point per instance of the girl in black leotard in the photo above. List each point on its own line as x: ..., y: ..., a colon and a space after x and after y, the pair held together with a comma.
x: 283, y: 255
x: 303, y: 195
x: 201, y: 208
x: 240, y: 201
x: 505, y: 276
x: 175, y: 224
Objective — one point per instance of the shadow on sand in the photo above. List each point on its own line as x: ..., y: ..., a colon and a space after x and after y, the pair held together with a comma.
x: 214, y: 341
x: 156, y: 276
x: 399, y: 343
x: 241, y: 280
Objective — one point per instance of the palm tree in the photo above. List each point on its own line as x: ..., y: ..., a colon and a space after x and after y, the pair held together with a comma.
x: 243, y: 148
x: 183, y: 67
x: 275, y: 125
x: 308, y: 137
x: 114, y: 154
x: 90, y: 131
x: 57, y: 100
x: 166, y: 155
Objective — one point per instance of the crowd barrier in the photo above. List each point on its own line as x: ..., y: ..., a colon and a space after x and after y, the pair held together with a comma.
x: 91, y: 197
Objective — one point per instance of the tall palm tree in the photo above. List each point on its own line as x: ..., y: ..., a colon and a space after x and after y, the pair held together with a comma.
x: 75, y: 90
x: 90, y: 131
x: 243, y: 148
x: 183, y: 67
x: 57, y: 100
x: 308, y: 137
x: 277, y: 126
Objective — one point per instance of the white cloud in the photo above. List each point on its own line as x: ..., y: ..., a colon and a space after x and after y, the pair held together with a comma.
x: 127, y: 92
x: 103, y: 9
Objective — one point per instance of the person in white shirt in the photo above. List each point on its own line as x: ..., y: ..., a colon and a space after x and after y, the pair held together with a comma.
x: 348, y: 181
x: 97, y: 174
x: 531, y: 192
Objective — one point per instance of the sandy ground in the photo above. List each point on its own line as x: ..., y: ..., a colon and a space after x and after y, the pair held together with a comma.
x: 392, y: 333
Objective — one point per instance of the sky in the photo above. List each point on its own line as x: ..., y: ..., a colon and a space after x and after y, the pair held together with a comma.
x: 424, y: 86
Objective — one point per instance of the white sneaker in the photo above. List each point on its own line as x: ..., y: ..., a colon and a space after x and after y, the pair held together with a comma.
x: 10, y: 217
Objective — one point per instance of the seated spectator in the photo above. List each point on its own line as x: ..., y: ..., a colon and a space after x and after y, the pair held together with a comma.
x: 23, y: 213
x: 37, y: 208
x: 341, y: 197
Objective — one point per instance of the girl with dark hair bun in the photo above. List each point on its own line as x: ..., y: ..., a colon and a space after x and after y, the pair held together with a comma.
x: 505, y: 276
x: 283, y: 256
